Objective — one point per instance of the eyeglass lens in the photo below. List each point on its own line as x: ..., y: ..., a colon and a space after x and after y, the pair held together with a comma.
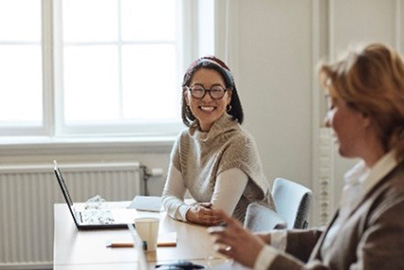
x: 198, y: 91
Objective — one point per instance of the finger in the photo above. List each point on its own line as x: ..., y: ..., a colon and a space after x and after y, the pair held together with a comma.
x: 216, y: 222
x: 219, y: 213
x: 209, y: 215
x: 231, y: 235
x: 206, y: 204
x: 221, y: 234
x: 217, y: 218
x: 215, y: 229
x: 212, y: 219
x: 220, y: 239
x: 218, y: 234
x: 225, y: 250
x: 233, y: 225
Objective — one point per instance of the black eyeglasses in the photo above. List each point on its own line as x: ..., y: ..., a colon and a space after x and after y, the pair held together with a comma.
x: 215, y: 92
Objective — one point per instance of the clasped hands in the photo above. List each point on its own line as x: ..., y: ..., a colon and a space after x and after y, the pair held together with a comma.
x: 204, y: 214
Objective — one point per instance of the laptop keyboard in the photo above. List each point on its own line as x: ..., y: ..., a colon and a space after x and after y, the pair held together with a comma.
x: 97, y: 216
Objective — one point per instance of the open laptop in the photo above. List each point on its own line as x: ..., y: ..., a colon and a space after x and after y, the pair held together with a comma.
x: 88, y: 219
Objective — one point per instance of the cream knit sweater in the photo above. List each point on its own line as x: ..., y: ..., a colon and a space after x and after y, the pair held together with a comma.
x: 201, y: 157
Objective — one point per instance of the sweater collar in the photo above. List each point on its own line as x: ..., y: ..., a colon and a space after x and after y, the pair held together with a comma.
x: 222, y: 125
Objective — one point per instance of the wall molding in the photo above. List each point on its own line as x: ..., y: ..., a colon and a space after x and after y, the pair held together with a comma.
x: 49, y: 146
x: 226, y: 35
x: 322, y: 152
x: 327, y: 165
x: 399, y: 25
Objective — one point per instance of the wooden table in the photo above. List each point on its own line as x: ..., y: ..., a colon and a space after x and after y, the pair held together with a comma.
x: 75, y: 249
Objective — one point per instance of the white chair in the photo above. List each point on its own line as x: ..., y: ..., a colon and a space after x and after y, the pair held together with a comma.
x: 292, y: 202
x: 260, y: 218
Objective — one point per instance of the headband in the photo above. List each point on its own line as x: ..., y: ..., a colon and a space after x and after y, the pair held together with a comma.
x: 214, y: 60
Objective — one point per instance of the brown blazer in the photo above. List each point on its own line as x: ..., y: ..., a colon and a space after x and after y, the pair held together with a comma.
x: 371, y: 237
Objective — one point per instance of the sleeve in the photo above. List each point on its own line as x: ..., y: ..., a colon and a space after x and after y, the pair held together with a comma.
x: 300, y: 243
x: 242, y: 153
x: 265, y: 258
x: 279, y: 239
x: 173, y: 195
x: 273, y: 256
x: 268, y: 253
x: 380, y: 245
x: 228, y: 189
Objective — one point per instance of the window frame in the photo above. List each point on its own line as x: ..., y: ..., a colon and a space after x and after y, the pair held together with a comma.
x: 52, y: 106
x: 118, y: 130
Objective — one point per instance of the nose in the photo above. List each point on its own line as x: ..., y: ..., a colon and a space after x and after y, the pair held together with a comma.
x: 207, y: 96
x: 326, y: 121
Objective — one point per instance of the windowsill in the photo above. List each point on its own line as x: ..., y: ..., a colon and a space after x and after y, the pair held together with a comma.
x: 77, y: 145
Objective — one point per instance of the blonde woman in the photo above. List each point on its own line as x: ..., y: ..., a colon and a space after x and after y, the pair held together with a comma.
x: 365, y: 96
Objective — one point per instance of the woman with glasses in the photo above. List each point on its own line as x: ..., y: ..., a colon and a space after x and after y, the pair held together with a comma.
x: 214, y: 158
x: 365, y: 95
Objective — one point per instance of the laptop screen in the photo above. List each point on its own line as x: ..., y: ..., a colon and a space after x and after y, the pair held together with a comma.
x: 65, y: 191
x: 62, y: 184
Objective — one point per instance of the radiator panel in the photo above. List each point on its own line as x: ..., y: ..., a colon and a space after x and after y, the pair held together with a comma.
x: 27, y: 195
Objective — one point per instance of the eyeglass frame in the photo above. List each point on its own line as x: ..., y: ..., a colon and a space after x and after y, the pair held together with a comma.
x: 208, y: 90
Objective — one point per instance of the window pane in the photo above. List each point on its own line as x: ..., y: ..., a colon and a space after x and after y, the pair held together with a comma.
x: 150, y: 87
x: 20, y: 20
x: 206, y: 27
x: 20, y: 85
x: 90, y: 20
x: 148, y: 20
x: 91, y: 83
x: 120, y: 65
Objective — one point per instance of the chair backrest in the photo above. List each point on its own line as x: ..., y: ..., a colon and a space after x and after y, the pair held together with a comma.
x: 292, y: 202
x: 260, y: 218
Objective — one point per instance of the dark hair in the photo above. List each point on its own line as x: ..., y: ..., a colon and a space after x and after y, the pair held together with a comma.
x: 211, y: 62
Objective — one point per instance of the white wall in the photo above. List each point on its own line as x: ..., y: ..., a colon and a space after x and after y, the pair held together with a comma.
x: 275, y: 45
x: 275, y: 84
x: 280, y: 42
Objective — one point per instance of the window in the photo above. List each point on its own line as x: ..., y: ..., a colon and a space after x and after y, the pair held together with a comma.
x: 97, y: 67
x: 20, y: 66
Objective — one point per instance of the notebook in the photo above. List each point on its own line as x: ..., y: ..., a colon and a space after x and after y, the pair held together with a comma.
x: 92, y: 219
x: 146, y: 203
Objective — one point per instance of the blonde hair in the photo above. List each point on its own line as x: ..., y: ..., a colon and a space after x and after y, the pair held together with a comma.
x: 371, y: 80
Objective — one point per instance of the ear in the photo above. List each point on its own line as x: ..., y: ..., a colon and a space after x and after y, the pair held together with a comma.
x: 186, y: 97
x: 229, y: 95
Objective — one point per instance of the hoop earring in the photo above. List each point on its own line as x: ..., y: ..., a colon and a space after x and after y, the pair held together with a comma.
x: 229, y: 107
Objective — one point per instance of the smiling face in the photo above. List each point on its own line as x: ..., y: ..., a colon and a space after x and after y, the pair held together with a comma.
x: 349, y: 125
x: 207, y: 110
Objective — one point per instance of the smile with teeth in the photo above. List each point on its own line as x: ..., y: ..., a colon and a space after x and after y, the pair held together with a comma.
x: 207, y: 108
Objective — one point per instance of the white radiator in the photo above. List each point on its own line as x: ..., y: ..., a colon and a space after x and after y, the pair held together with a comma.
x: 27, y: 195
